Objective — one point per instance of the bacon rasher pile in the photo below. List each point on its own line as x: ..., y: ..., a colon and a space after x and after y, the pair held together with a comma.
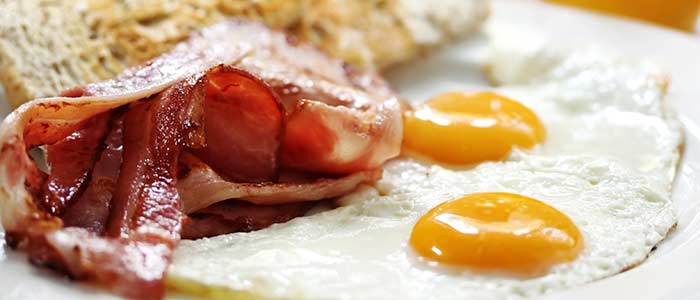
x: 233, y: 130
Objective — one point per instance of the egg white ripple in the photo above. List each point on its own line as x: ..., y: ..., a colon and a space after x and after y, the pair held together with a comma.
x: 593, y: 101
x: 582, y: 78
x: 360, y: 251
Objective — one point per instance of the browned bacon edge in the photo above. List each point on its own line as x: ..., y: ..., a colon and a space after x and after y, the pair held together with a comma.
x: 229, y: 114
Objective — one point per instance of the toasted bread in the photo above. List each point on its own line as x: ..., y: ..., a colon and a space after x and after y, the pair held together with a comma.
x: 50, y: 45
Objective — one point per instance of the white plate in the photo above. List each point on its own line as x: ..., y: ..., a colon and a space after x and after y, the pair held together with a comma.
x: 672, y: 272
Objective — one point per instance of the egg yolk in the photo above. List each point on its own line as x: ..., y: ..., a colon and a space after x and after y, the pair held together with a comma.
x: 497, y: 232
x: 459, y: 128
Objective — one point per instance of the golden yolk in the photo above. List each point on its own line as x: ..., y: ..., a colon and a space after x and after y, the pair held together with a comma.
x: 497, y: 232
x: 459, y: 128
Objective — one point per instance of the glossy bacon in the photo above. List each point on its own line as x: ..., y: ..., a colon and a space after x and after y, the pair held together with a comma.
x: 240, y: 127
x: 155, y: 132
x: 91, y: 210
x: 70, y: 161
x: 338, y: 120
x: 201, y: 187
x: 132, y: 266
x: 243, y: 126
x: 144, y: 220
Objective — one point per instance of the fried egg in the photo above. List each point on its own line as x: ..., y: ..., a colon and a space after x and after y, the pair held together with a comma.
x: 362, y: 250
x: 564, y: 181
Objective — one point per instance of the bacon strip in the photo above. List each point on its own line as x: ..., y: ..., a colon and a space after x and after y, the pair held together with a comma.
x: 91, y: 210
x: 71, y: 160
x: 243, y: 126
x: 244, y: 104
x: 145, y: 220
x: 237, y: 216
x: 132, y: 266
x: 339, y: 140
x: 202, y: 187
x: 338, y: 120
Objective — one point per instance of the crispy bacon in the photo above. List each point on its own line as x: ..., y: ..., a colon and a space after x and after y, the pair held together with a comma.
x: 240, y: 127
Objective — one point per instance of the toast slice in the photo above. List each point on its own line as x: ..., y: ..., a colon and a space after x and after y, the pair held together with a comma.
x: 50, y: 45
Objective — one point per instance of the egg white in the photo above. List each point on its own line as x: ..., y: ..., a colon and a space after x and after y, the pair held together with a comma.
x: 359, y: 251
x: 608, y: 164
x: 593, y: 101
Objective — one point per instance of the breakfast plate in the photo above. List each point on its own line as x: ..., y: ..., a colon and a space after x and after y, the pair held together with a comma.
x: 672, y: 270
